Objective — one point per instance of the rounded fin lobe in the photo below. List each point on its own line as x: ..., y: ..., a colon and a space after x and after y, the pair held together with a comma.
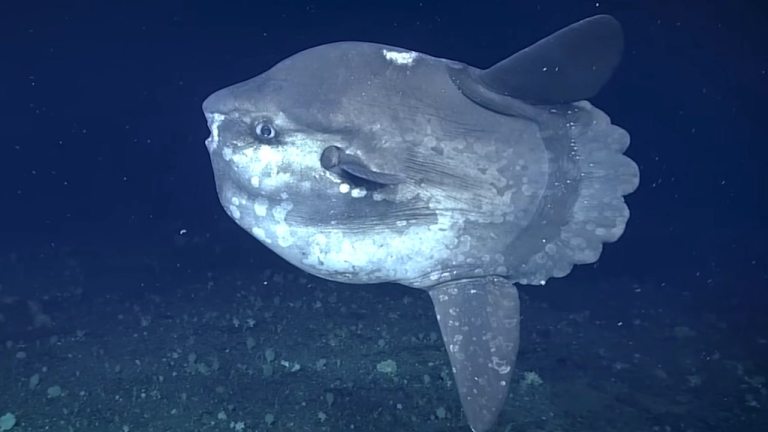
x: 583, y: 206
x: 480, y: 323
x: 570, y: 65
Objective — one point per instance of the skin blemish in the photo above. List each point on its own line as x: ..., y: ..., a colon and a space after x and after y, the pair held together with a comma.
x: 234, y: 211
x: 226, y: 154
x: 260, y: 206
x: 214, y: 120
x: 260, y: 234
x: 399, y: 57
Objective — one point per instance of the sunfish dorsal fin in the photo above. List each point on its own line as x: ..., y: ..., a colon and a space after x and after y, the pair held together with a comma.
x: 567, y: 66
x: 480, y: 323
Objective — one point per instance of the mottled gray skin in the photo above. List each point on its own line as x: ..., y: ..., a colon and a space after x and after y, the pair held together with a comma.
x: 439, y: 192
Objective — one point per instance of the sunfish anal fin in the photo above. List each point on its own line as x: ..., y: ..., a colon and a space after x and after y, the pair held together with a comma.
x: 480, y: 323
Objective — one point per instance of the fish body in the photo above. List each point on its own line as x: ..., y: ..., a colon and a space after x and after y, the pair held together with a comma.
x: 366, y: 163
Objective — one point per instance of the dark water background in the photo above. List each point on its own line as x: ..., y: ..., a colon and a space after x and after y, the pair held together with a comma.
x: 106, y: 187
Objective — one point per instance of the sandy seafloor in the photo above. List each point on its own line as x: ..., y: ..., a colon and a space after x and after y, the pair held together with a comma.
x: 165, y: 348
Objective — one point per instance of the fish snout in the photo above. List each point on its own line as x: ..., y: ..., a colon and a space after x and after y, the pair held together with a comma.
x: 221, y: 102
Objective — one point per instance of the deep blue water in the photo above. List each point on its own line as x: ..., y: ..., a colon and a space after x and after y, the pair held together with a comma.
x: 116, y: 256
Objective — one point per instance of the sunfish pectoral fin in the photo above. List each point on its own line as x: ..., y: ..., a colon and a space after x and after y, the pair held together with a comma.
x: 358, y: 169
x: 567, y: 66
x: 480, y: 323
x: 336, y: 160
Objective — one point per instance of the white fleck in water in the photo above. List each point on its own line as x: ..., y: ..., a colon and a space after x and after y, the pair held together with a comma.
x: 255, y: 181
x: 358, y: 192
x: 344, y: 188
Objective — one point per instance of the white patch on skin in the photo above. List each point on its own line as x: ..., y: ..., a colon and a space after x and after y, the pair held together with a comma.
x: 226, y: 154
x: 399, y: 57
x: 234, y: 211
x: 267, y: 156
x: 280, y: 211
x: 276, y: 181
x: 358, y: 192
x: 381, y: 256
x: 282, y: 230
x: 214, y: 120
x: 527, y: 190
x: 344, y: 188
x: 273, y: 168
x: 260, y: 206
x: 406, y: 253
x: 259, y: 234
x: 409, y: 252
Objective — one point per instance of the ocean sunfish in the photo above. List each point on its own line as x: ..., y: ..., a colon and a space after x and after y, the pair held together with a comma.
x: 366, y: 163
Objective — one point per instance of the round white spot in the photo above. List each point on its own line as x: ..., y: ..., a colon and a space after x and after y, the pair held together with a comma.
x: 255, y: 181
x: 283, y: 233
x: 234, y: 211
x: 527, y: 190
x: 344, y: 188
x: 260, y: 207
x: 226, y: 154
x: 258, y: 232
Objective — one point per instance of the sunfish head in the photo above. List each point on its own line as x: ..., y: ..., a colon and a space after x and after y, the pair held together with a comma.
x: 303, y: 162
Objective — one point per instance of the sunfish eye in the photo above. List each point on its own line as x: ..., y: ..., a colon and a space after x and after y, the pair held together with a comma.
x: 265, y: 130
